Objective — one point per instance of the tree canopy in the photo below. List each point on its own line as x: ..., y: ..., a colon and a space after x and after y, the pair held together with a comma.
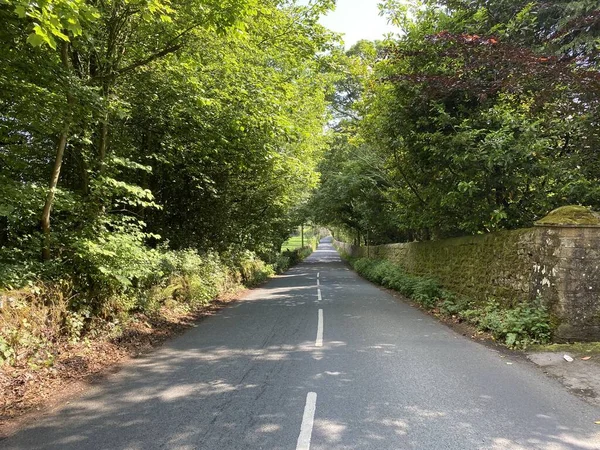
x: 131, y: 124
x: 480, y: 116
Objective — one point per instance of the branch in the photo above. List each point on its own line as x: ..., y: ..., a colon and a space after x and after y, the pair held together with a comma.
x: 411, y: 187
x: 171, y: 47
x: 346, y: 114
x: 124, y: 210
x: 149, y: 59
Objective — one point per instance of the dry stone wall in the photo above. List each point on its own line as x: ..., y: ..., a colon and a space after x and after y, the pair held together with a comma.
x: 557, y: 261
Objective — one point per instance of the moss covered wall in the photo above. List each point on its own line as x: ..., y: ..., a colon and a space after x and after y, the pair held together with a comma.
x: 558, y: 263
x: 479, y: 267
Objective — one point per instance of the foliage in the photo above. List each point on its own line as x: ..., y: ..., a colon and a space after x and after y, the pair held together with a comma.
x: 198, y: 123
x: 517, y: 327
x: 50, y: 20
x: 281, y: 262
x: 481, y: 116
x: 38, y: 319
x: 151, y: 153
x: 424, y: 291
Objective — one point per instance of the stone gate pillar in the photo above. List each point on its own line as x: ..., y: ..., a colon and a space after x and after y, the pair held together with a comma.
x: 566, y: 275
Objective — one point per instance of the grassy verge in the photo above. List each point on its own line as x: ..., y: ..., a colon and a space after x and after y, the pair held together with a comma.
x: 519, y: 327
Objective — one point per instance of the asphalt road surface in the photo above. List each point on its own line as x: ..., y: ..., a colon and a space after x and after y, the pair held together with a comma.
x: 321, y: 359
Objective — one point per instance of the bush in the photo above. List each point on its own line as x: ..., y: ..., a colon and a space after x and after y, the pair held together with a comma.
x: 427, y: 292
x: 423, y: 290
x: 115, y: 279
x: 33, y: 321
x: 289, y: 258
x: 517, y: 327
x: 282, y: 263
x: 452, y: 305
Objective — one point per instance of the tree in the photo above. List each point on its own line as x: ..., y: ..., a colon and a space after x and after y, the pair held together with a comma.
x: 477, y: 119
x: 200, y: 121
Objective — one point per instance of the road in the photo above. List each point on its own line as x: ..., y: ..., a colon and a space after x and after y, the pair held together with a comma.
x: 319, y: 358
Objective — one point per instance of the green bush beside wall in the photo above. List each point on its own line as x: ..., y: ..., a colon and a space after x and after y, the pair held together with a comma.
x: 517, y: 326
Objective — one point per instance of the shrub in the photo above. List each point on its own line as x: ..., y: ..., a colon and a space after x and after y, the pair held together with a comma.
x: 281, y: 263
x: 289, y: 258
x: 32, y: 323
x: 452, y: 305
x: 113, y: 280
x: 427, y: 292
x: 517, y: 327
x: 253, y: 270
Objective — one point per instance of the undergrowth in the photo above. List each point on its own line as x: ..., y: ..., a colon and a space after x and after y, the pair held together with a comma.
x: 288, y: 258
x: 516, y: 327
x: 40, y: 317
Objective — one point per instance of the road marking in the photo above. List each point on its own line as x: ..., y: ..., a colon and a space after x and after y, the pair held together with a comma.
x: 318, y: 282
x: 319, y: 294
x: 319, y: 341
x: 307, y: 422
x: 318, y: 274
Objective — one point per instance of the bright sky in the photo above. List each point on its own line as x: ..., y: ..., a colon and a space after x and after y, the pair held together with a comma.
x: 357, y: 19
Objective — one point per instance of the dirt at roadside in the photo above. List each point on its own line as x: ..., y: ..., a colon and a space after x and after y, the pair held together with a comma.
x: 26, y: 393
x: 580, y: 376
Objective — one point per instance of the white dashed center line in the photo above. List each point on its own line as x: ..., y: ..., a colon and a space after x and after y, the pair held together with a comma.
x: 319, y: 295
x: 307, y: 421
x: 319, y: 341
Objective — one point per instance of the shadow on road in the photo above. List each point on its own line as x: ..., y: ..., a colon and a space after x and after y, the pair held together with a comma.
x: 240, y: 379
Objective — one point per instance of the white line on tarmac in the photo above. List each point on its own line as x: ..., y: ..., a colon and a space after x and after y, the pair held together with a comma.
x: 319, y: 294
x: 319, y: 341
x: 307, y: 422
x: 318, y: 274
x: 318, y: 282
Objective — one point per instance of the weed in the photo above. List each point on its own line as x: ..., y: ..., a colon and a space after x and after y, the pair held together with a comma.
x: 35, y: 321
x: 517, y: 327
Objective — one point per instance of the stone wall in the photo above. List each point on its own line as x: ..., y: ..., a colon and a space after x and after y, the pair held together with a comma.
x: 557, y: 261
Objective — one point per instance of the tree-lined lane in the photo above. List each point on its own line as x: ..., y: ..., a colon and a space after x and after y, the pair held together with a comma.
x: 386, y: 377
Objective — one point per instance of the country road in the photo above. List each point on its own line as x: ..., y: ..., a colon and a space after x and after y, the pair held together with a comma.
x: 319, y: 358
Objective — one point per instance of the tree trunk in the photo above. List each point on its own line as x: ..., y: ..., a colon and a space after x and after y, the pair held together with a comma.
x: 103, y: 140
x: 60, y: 151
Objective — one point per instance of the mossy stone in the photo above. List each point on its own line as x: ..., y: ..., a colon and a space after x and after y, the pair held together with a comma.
x: 571, y: 216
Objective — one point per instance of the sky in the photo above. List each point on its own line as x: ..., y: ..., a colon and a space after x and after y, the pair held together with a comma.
x: 357, y: 19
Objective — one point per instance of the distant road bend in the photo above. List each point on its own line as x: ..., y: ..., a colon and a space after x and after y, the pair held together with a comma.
x: 319, y: 358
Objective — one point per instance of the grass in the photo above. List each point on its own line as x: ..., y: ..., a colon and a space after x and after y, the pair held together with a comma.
x: 293, y: 243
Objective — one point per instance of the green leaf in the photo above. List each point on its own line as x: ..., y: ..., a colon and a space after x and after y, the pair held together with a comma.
x: 21, y: 12
x: 36, y: 40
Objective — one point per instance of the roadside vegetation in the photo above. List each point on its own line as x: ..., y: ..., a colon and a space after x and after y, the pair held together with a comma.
x: 153, y: 157
x: 481, y: 116
x: 517, y: 327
